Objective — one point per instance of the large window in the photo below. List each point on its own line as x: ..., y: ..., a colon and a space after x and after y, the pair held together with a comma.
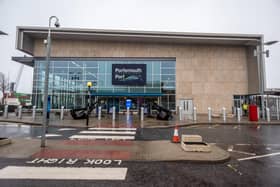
x: 68, y: 79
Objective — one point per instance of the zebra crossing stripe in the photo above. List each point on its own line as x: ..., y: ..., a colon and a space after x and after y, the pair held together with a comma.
x: 50, y: 135
x: 67, y: 173
x: 95, y: 137
x: 115, y: 129
x: 108, y: 132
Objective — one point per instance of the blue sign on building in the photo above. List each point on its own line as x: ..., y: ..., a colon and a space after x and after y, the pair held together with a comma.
x: 128, y: 103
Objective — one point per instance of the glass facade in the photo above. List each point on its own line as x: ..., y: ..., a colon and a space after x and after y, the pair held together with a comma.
x: 68, y: 79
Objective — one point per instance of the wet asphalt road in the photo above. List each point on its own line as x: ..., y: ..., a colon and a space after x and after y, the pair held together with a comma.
x: 240, y: 141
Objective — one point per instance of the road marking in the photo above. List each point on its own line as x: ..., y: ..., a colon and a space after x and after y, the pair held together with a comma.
x: 70, y: 173
x: 116, y: 129
x: 108, y: 132
x: 50, y: 135
x: 242, y: 144
x: 234, y: 169
x: 259, y: 156
x: 82, y: 154
x: 66, y: 129
x: 95, y: 137
x: 242, y: 152
x: 230, y: 149
x: 98, y: 142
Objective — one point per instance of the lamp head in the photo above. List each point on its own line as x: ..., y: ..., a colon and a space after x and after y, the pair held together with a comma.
x: 89, y: 84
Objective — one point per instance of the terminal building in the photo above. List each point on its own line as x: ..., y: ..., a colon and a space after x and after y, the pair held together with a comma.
x: 172, y: 69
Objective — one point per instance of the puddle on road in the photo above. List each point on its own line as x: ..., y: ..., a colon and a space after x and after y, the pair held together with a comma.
x: 18, y: 130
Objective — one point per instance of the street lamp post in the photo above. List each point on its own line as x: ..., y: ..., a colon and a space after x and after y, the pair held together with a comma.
x: 89, y: 84
x: 46, y: 86
x: 261, y: 69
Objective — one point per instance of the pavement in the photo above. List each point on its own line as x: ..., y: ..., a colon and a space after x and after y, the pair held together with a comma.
x: 133, y: 121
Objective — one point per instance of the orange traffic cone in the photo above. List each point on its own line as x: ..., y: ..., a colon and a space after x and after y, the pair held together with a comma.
x: 175, y: 138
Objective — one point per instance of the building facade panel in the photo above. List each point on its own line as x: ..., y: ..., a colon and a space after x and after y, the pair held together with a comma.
x: 209, y: 74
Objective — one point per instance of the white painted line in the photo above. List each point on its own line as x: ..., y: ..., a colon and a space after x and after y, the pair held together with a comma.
x: 50, y: 135
x: 108, y: 132
x: 68, y: 173
x: 242, y: 152
x: 260, y: 156
x: 67, y: 129
x: 89, y: 137
x: 116, y: 129
x: 242, y: 144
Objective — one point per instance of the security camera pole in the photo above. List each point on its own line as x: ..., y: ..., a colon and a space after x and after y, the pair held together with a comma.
x: 46, y: 86
x: 89, y: 84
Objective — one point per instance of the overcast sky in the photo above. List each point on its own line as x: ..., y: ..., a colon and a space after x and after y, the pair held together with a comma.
x: 219, y: 16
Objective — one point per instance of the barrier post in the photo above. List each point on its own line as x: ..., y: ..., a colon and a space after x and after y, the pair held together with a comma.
x: 268, y: 114
x: 224, y: 114
x: 180, y: 114
x: 142, y: 113
x: 238, y: 114
x: 19, y: 112
x: 34, y: 113
x: 277, y: 108
x: 194, y: 113
x: 258, y: 110
x: 6, y: 112
x: 127, y: 113
x: 114, y: 113
x: 62, y: 113
x: 209, y: 114
x: 99, y: 113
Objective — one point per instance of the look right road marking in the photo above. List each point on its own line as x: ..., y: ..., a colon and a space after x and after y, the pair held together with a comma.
x: 68, y: 173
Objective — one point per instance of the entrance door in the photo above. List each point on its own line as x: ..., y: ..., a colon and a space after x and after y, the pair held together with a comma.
x: 186, y: 105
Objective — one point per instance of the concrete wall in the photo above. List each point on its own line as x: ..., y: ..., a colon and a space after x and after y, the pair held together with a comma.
x: 253, y: 81
x: 208, y: 74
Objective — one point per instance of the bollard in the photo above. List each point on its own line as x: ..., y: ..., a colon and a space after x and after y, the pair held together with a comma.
x: 194, y: 113
x: 33, y: 113
x: 224, y: 114
x: 258, y: 111
x: 6, y: 111
x: 62, y: 113
x: 142, y: 113
x: 209, y: 114
x: 268, y: 114
x: 180, y: 114
x: 127, y: 113
x: 114, y: 113
x: 238, y: 115
x: 142, y: 124
x: 234, y: 111
x: 113, y: 124
x: 277, y: 108
x: 19, y: 112
x: 99, y: 113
